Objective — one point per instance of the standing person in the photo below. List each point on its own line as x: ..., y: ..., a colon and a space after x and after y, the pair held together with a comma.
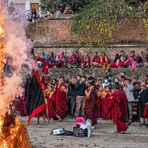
x: 146, y: 79
x: 90, y: 102
x: 129, y: 91
x: 72, y: 97
x: 80, y: 96
x: 106, y: 82
x: 143, y: 100
x: 119, y: 108
x: 61, y: 99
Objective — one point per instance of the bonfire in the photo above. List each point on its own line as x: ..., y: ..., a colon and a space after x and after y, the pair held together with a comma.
x: 13, y: 133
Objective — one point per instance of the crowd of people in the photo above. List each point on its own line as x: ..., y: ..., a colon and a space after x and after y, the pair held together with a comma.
x: 75, y: 60
x: 33, y: 16
x: 110, y: 98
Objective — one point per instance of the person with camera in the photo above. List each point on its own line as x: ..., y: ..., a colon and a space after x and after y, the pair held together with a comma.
x: 80, y: 96
x: 90, y: 102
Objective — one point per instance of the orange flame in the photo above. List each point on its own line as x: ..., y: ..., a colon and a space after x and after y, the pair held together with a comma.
x: 2, y: 33
x: 2, y: 45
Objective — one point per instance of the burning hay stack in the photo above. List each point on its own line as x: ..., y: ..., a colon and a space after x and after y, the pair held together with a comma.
x: 13, y: 133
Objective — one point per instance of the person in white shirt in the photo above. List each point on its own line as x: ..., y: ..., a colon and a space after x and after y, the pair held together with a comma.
x: 129, y: 89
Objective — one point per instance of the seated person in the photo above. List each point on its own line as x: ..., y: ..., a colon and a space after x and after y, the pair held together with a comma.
x: 52, y: 59
x: 60, y: 60
x: 86, y: 60
x: 75, y: 60
x: 39, y: 60
x: 46, y: 56
x: 133, y: 61
x: 144, y: 55
x: 45, y: 66
x: 119, y: 60
x: 34, y: 15
x: 96, y: 60
x: 105, y: 61
x: 140, y: 61
x: 68, y: 10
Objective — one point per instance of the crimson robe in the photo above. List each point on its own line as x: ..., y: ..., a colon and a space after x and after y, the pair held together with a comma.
x: 61, y: 102
x: 104, y: 107
x: 99, y: 107
x: 45, y: 66
x: 85, y: 61
x: 146, y: 111
x: 108, y: 114
x: 96, y: 59
x: 91, y: 108
x: 51, y: 106
x: 120, y: 110
x: 23, y: 111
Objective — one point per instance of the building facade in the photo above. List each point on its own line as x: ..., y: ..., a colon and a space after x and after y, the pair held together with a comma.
x: 23, y: 6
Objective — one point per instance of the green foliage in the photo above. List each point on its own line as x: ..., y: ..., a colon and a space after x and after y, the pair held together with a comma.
x: 100, y: 17
x: 53, y: 5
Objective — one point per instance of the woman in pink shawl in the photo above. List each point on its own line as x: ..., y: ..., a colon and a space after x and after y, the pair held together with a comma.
x: 131, y: 61
x: 60, y: 59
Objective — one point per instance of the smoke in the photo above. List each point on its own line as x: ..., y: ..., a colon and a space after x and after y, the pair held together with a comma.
x: 17, y: 54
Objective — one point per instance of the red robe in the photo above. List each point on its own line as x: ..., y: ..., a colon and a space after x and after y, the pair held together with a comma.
x: 61, y: 102
x: 104, y: 60
x: 120, y: 110
x: 86, y: 60
x: 74, y: 58
x: 51, y: 105
x: 99, y: 107
x: 96, y: 59
x: 45, y: 67
x: 108, y: 114
x: 91, y: 108
x: 23, y: 111
x: 146, y: 111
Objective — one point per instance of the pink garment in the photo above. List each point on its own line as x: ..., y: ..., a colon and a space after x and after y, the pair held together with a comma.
x: 130, y: 62
x: 60, y: 58
x: 80, y: 120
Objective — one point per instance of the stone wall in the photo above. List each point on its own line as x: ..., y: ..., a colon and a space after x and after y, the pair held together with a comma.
x: 58, y: 32
x: 97, y: 73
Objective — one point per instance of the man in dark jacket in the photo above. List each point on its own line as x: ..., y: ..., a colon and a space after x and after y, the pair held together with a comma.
x: 80, y: 96
x: 143, y: 100
x: 72, y: 97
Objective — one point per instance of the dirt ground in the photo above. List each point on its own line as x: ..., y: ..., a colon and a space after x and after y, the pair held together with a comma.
x: 102, y: 137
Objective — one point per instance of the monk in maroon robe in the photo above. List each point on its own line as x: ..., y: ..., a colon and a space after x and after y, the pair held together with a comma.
x: 61, y: 100
x: 51, y: 105
x: 91, y: 104
x: 119, y: 109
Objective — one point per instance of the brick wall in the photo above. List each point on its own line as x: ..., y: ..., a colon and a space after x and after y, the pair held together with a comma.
x: 58, y: 31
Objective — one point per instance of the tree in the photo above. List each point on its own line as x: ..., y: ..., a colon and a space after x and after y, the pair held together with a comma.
x: 100, y: 17
x: 53, y: 5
